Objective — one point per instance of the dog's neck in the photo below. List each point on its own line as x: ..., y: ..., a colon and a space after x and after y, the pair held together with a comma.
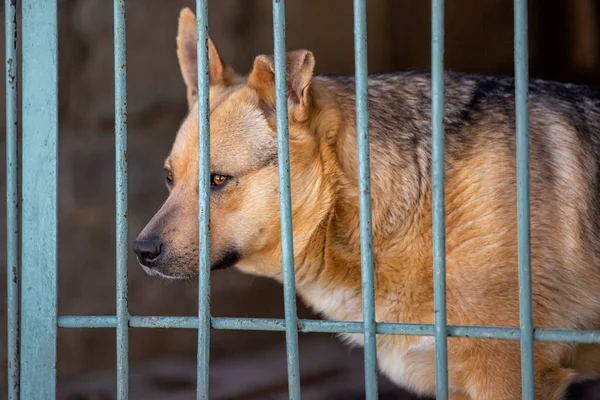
x: 330, y: 262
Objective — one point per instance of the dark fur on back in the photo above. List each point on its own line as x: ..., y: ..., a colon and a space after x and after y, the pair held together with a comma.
x: 400, y: 120
x: 401, y: 103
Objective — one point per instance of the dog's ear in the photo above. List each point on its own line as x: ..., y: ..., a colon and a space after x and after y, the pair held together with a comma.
x: 188, y: 57
x: 299, y: 73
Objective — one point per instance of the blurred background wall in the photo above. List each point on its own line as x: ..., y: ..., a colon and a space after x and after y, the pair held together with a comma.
x: 564, y: 45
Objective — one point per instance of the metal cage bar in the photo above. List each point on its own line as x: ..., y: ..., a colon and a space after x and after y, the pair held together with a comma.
x: 39, y: 218
x: 364, y: 187
x: 285, y: 201
x: 12, y: 201
x: 524, y: 248
x: 120, y: 67
x: 438, y: 204
x: 203, y: 325
x: 320, y: 326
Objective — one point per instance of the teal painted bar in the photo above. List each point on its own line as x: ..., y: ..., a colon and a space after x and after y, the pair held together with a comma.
x: 522, y: 122
x: 285, y: 202
x: 120, y: 66
x: 437, y: 170
x: 364, y: 187
x: 12, y: 199
x: 39, y: 218
x: 318, y: 326
x: 202, y: 388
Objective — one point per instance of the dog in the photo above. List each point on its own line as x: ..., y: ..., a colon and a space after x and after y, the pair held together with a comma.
x: 481, y: 210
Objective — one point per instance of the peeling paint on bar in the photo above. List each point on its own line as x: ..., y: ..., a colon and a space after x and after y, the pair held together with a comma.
x: 203, y: 323
x: 121, y: 159
x: 438, y: 206
x: 39, y: 200
x: 12, y: 200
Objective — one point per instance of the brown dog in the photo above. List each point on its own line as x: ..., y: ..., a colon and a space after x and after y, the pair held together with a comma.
x: 481, y: 228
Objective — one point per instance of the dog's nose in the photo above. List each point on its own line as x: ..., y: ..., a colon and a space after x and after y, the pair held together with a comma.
x: 148, y: 250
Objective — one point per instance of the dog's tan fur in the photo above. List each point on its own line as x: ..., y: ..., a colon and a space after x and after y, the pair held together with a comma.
x: 481, y: 221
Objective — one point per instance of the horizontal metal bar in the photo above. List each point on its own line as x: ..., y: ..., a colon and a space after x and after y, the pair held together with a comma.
x: 164, y: 322
x: 75, y: 321
x: 316, y: 326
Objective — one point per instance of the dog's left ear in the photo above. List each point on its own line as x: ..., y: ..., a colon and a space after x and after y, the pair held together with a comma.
x: 299, y: 73
x: 188, y: 57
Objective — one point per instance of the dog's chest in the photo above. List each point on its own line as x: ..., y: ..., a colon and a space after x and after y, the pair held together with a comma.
x: 335, y: 304
x: 407, y: 361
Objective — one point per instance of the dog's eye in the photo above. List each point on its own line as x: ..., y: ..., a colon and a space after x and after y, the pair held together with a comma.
x: 218, y: 180
x: 169, y: 176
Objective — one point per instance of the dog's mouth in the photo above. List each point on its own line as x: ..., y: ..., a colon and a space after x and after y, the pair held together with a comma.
x: 157, y: 269
x: 157, y: 273
x: 229, y: 259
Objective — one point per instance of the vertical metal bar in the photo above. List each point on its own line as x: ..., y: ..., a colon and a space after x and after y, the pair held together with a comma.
x: 202, y: 389
x: 39, y: 222
x: 522, y: 122
x: 364, y: 182
x: 439, y: 237
x: 285, y: 202
x: 12, y: 201
x: 120, y: 66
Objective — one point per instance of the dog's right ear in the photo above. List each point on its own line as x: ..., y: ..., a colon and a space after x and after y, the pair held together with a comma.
x: 188, y: 56
x: 299, y: 72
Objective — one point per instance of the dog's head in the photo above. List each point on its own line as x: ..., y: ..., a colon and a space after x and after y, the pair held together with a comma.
x: 244, y: 189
